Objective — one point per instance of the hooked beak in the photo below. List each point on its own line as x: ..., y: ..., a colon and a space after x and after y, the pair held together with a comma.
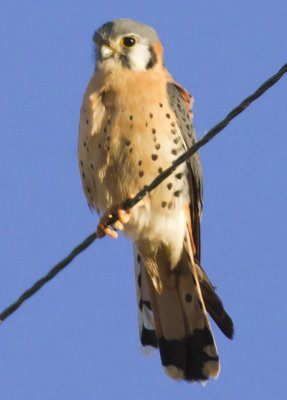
x: 106, y: 52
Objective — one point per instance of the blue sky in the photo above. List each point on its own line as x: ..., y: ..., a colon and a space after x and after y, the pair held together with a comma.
x: 78, y: 338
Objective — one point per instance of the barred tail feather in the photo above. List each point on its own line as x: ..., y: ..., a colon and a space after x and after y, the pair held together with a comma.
x: 146, y: 324
x: 214, y: 304
x: 187, y: 347
x: 172, y: 311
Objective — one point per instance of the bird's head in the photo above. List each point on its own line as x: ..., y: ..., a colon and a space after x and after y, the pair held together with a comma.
x: 128, y: 44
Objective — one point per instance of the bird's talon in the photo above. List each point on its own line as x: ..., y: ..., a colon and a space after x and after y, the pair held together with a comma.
x: 118, y: 225
x: 124, y: 216
x: 102, y: 231
x: 110, y: 232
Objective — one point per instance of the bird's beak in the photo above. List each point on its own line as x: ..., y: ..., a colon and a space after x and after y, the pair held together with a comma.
x: 106, y: 52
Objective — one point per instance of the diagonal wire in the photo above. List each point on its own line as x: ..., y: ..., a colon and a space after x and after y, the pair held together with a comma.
x: 206, y: 138
x: 147, y: 189
x: 50, y: 275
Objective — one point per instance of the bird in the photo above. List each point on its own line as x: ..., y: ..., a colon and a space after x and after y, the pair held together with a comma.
x: 135, y: 120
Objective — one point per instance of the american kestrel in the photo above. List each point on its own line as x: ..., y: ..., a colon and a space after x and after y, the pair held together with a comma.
x: 135, y: 121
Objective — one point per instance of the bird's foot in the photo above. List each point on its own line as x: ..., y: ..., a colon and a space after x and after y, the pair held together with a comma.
x: 105, y: 227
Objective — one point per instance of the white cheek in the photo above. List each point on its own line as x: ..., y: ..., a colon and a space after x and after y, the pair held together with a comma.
x: 139, y: 57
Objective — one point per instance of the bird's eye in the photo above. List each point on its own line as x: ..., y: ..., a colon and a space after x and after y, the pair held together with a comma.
x: 128, y: 41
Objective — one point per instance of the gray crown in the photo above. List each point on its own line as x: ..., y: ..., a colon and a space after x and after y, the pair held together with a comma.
x: 121, y: 27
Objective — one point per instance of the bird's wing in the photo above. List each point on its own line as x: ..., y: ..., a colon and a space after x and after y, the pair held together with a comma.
x: 181, y: 103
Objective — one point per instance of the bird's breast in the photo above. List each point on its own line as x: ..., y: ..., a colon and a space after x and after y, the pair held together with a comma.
x: 136, y: 138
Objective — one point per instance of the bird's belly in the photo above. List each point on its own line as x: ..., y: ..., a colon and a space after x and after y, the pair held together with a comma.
x: 126, y: 155
x: 159, y: 218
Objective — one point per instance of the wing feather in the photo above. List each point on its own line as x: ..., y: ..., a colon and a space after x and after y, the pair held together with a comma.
x: 181, y: 102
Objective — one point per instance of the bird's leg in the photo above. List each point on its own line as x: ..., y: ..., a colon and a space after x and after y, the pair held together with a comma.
x: 123, y: 217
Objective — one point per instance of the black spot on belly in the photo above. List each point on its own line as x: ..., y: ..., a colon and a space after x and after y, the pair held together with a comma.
x: 169, y: 186
x: 154, y: 157
x: 160, y: 170
x: 179, y: 175
x: 157, y: 146
x: 164, y: 204
x: 153, y: 131
x: 141, y: 174
x: 177, y: 193
x: 140, y: 163
x: 188, y: 298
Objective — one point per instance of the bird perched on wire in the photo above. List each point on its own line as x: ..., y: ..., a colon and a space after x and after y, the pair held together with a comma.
x: 135, y: 121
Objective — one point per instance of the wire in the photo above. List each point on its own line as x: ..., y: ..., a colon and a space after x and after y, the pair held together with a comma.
x: 51, y: 274
x: 147, y: 189
x: 210, y: 135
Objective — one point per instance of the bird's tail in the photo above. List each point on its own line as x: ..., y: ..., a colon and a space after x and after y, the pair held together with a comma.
x: 173, y: 316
